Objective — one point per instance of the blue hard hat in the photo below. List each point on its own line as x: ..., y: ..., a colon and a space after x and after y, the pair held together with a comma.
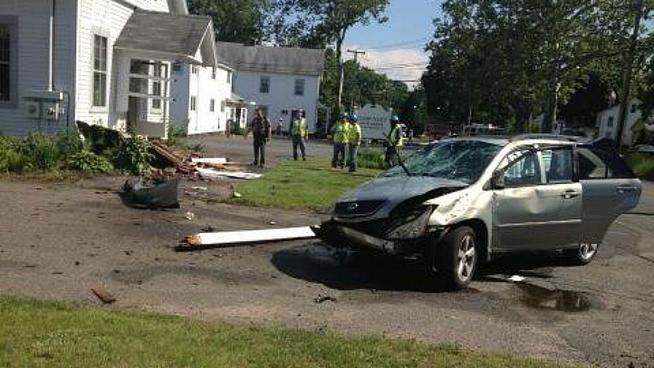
x: 395, y: 118
x: 354, y: 117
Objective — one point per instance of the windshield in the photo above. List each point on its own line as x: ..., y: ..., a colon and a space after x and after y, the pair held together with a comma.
x: 461, y: 160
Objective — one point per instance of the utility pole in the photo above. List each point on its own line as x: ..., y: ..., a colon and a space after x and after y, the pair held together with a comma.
x: 356, y: 54
x: 628, y: 70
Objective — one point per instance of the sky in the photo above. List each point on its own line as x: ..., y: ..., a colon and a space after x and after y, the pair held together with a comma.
x: 396, y: 48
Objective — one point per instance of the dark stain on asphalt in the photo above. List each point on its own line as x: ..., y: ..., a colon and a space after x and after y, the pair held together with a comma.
x: 542, y: 298
x: 138, y: 275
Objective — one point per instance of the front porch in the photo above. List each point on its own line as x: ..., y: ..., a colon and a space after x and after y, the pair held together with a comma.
x: 148, y: 46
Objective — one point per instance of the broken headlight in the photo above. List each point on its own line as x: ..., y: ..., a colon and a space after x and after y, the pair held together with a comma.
x: 412, y: 225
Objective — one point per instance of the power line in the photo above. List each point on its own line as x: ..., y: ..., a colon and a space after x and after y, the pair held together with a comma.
x: 400, y: 44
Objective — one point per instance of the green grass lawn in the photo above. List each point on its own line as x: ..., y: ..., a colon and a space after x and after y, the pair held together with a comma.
x: 310, y: 184
x: 50, y: 334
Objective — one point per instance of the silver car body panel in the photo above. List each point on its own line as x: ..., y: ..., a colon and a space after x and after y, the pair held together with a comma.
x: 545, y: 216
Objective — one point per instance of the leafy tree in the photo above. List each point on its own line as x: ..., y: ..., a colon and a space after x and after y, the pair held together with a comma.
x: 243, y: 21
x: 322, y: 22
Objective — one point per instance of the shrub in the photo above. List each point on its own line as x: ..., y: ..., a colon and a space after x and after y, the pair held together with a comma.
x: 176, y: 132
x: 88, y: 162
x: 370, y: 158
x: 41, y: 151
x: 69, y: 142
x: 642, y: 164
x: 196, y: 147
x: 133, y: 155
x: 11, y: 158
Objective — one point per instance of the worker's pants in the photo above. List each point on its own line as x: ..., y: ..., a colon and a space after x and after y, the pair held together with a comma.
x: 391, y: 156
x: 339, y: 155
x: 259, y: 150
x: 298, y: 141
x: 353, y: 152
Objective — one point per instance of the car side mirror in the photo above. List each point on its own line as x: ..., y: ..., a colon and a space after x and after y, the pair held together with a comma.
x: 497, y: 181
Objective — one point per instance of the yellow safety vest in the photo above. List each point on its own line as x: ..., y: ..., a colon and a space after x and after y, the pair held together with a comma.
x: 299, y: 128
x: 393, y: 138
x: 355, y: 134
x: 341, y: 132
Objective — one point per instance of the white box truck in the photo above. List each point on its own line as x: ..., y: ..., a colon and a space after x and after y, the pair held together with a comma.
x: 375, y: 122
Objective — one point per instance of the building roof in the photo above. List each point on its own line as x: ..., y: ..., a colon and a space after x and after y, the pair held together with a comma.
x: 182, y: 35
x: 269, y: 59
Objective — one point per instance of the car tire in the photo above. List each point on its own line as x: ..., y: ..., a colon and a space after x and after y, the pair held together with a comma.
x: 583, y: 255
x: 454, y: 258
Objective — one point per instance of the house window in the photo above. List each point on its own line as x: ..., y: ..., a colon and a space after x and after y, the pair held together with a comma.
x: 229, y: 77
x: 100, y: 71
x: 194, y: 103
x: 156, y: 87
x: 634, y: 107
x: 609, y: 124
x: 213, y: 73
x: 212, y: 105
x: 222, y: 106
x: 7, y: 34
x: 194, y: 69
x: 299, y: 87
x: 264, y: 85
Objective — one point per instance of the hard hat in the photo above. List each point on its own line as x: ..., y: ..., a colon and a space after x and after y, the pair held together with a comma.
x: 354, y: 117
x: 395, y: 118
x: 343, y: 115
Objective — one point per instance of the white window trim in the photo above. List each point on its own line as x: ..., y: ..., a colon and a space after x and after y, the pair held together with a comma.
x: 12, y: 22
x: 157, y: 110
x: 193, y: 100
x: 212, y: 105
x: 304, y: 87
x: 106, y: 34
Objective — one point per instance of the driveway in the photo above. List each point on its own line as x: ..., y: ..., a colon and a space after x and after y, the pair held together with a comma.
x: 57, y: 241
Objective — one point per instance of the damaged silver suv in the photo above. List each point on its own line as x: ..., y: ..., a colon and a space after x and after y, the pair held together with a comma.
x: 467, y: 200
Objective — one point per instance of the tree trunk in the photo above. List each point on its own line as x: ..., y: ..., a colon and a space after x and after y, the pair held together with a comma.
x: 552, y: 107
x: 628, y: 71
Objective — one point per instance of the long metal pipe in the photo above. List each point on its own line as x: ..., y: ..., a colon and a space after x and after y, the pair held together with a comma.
x: 51, y: 47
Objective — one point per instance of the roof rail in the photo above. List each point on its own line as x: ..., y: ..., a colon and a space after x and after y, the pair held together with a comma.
x: 569, y: 138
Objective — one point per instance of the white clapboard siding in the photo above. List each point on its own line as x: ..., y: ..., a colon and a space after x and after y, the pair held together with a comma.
x: 281, y: 97
x: 33, y: 58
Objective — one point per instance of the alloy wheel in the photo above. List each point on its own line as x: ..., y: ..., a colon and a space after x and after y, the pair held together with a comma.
x: 466, y: 257
x: 587, y: 251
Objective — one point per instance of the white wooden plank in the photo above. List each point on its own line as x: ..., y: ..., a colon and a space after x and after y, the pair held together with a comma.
x: 209, y: 160
x: 251, y: 236
x: 215, y: 174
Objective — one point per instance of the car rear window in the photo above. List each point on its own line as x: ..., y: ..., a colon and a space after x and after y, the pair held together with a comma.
x: 598, y: 163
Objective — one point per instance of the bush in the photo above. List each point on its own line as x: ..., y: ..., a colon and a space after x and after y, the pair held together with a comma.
x: 176, y: 133
x: 41, y: 151
x: 88, y: 162
x: 370, y: 158
x: 11, y: 157
x: 69, y: 143
x: 641, y: 164
x: 133, y: 155
x: 196, y: 147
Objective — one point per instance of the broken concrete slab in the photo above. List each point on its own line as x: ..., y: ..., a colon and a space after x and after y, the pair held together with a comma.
x: 209, y: 160
x: 249, y: 236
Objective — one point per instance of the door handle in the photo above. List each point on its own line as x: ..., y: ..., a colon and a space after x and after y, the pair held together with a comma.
x: 625, y: 189
x: 569, y: 194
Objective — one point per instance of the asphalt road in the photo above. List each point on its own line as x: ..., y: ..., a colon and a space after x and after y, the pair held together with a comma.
x: 57, y: 241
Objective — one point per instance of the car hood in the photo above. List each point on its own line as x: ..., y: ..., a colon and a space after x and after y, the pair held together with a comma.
x: 395, y: 190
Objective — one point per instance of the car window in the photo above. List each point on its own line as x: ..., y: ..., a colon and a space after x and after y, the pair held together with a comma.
x: 557, y: 165
x: 521, y: 169
x: 598, y: 163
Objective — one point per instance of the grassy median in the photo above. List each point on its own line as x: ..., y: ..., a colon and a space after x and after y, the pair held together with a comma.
x: 310, y: 184
x: 53, y: 334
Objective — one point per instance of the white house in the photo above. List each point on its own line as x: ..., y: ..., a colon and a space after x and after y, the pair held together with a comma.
x: 279, y: 80
x: 104, y: 62
x: 200, y: 97
x: 607, y: 121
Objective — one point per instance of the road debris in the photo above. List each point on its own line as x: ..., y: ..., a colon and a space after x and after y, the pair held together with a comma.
x: 516, y: 278
x: 140, y: 194
x: 104, y: 295
x: 237, y: 195
x: 215, y: 174
x: 324, y: 298
x: 189, y: 215
x: 249, y: 236
x: 218, y: 161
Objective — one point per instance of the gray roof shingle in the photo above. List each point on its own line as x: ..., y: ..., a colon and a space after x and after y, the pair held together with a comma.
x: 288, y: 60
x: 163, y: 32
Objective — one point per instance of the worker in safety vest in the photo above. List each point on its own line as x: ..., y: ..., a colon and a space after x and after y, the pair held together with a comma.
x: 394, y: 142
x: 340, y: 134
x: 354, y: 141
x: 299, y: 133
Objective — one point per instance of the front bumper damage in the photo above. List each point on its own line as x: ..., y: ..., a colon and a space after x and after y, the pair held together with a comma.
x: 374, y: 236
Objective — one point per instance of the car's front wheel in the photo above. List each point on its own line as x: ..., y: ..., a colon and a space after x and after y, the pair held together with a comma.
x: 582, y: 255
x: 454, y: 258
